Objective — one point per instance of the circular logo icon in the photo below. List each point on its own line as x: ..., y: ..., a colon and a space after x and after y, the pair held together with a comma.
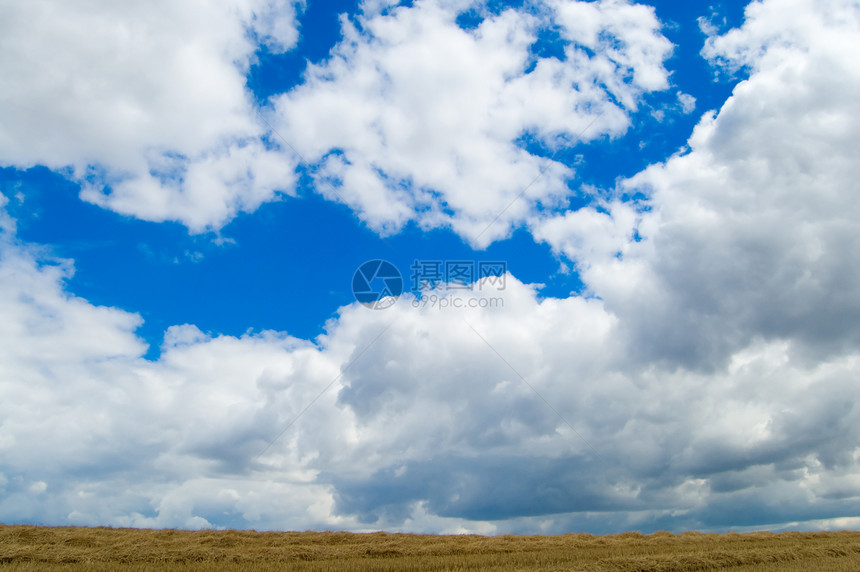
x: 377, y: 284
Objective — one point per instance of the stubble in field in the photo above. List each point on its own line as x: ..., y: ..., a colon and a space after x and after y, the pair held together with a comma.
x: 44, y: 548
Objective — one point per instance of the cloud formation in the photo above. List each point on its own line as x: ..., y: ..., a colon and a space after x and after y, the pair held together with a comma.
x: 144, y: 105
x: 750, y: 233
x: 707, y: 378
x: 420, y: 115
x: 415, y: 116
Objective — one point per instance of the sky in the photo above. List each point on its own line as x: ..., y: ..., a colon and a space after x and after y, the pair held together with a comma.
x: 446, y: 266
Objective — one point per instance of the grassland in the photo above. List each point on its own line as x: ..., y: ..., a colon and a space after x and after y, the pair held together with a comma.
x: 48, y: 548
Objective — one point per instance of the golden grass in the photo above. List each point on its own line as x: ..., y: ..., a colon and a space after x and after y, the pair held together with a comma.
x: 47, y: 548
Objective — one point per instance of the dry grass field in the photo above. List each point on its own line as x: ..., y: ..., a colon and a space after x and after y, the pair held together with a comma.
x: 42, y: 548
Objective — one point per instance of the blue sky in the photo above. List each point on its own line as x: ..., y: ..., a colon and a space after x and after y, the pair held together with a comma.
x: 187, y: 193
x: 296, y: 256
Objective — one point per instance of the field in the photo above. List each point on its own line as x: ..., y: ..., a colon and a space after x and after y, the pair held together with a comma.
x: 42, y: 548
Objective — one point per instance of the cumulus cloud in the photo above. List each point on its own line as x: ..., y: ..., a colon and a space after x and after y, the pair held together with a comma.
x: 413, y: 416
x: 412, y: 118
x: 751, y: 232
x: 706, y: 379
x: 144, y: 105
x: 415, y: 117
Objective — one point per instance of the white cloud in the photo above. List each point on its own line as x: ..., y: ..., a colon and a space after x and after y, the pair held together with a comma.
x: 416, y: 118
x: 420, y: 418
x: 412, y: 114
x: 776, y: 32
x: 147, y: 99
x: 589, y: 234
x: 713, y: 366
x: 687, y: 101
x: 750, y: 233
